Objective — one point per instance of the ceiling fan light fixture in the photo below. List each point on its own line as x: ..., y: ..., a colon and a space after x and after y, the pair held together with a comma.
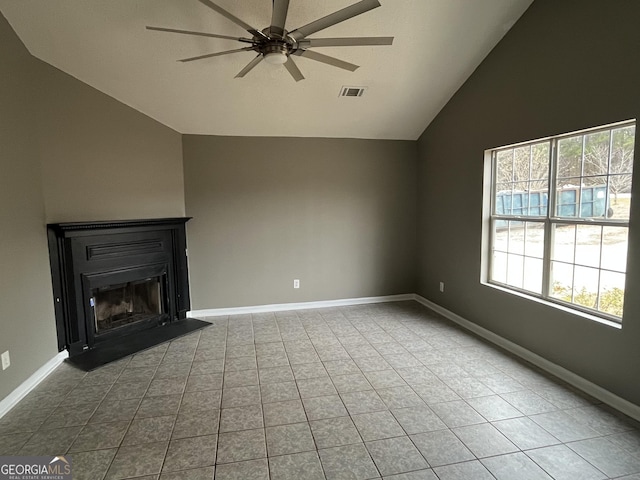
x: 275, y: 58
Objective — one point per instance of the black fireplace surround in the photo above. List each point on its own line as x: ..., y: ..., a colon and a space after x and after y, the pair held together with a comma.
x: 112, y: 279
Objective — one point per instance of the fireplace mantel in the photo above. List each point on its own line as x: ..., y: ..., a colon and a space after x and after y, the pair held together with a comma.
x: 85, y: 256
x: 80, y: 226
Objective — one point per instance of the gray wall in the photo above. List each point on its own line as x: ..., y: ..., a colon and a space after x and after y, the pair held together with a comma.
x: 102, y: 160
x: 337, y: 214
x: 27, y: 328
x: 69, y: 153
x: 564, y: 66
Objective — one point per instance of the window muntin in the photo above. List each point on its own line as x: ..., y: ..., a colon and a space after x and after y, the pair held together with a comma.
x: 564, y: 240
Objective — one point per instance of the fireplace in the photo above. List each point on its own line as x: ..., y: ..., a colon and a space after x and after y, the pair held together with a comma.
x: 114, y: 279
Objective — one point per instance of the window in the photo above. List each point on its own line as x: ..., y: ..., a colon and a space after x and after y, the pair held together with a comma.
x: 560, y: 218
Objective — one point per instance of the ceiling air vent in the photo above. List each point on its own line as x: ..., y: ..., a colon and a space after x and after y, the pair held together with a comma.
x: 352, y: 91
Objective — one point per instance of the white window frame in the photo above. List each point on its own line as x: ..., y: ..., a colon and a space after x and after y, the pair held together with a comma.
x: 549, y: 220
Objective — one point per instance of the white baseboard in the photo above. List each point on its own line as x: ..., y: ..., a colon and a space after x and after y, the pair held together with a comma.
x: 30, y: 383
x: 571, y: 378
x: 281, y: 307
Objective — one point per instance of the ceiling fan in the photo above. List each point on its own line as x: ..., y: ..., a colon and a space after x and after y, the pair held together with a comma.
x: 276, y: 45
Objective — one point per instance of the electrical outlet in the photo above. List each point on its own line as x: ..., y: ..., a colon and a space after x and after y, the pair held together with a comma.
x: 6, y: 360
x: 441, y: 287
x: 296, y: 283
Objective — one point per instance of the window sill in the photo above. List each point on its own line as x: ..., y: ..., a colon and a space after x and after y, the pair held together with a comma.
x: 557, y: 306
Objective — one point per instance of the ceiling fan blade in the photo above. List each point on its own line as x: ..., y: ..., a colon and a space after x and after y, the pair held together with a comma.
x: 344, y: 42
x: 319, y: 57
x: 217, y: 54
x: 340, y: 16
x: 233, y: 18
x: 250, y: 66
x: 293, y: 69
x: 279, y: 17
x: 200, y: 34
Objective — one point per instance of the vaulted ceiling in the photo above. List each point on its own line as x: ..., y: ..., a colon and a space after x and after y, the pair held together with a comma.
x: 104, y: 43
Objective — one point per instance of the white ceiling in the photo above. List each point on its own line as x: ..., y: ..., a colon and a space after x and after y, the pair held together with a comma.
x: 104, y: 43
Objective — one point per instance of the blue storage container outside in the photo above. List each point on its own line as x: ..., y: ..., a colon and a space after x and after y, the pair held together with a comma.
x: 593, y: 201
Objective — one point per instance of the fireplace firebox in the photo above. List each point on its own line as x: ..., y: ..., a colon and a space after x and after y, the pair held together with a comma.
x: 116, y: 306
x: 112, y: 279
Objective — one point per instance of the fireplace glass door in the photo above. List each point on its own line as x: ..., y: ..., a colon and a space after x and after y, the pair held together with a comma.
x: 116, y: 306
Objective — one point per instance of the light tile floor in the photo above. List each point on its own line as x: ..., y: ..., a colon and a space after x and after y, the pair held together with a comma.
x: 387, y: 391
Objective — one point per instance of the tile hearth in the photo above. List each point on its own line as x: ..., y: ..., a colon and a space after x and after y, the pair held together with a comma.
x: 390, y: 391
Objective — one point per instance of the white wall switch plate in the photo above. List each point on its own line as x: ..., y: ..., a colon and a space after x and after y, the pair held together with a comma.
x: 296, y: 283
x: 442, y: 287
